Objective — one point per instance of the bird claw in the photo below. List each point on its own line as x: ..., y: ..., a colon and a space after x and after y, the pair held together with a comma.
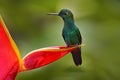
x: 77, y: 45
x: 72, y: 45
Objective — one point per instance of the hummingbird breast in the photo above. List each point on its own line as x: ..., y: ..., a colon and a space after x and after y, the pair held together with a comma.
x: 70, y: 36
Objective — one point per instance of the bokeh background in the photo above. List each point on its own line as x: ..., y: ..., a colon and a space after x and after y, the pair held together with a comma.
x: 98, y: 21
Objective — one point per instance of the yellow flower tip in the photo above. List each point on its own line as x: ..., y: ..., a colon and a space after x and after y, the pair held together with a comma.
x: 82, y: 45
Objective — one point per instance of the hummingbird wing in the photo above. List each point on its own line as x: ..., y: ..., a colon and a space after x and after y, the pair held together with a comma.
x: 76, y: 54
x: 78, y: 35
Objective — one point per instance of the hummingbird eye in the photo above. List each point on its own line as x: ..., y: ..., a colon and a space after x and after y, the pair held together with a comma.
x: 65, y: 13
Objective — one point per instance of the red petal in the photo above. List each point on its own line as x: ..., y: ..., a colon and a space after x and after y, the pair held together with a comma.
x: 44, y: 56
x: 9, y: 60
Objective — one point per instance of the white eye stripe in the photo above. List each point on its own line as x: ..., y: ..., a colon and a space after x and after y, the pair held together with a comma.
x: 66, y: 13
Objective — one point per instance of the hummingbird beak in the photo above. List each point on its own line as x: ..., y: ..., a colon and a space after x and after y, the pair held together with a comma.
x: 56, y: 14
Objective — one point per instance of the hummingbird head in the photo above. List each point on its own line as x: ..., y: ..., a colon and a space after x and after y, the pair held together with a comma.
x: 64, y: 13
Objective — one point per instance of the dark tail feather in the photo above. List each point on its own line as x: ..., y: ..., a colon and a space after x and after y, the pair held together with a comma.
x: 76, y: 54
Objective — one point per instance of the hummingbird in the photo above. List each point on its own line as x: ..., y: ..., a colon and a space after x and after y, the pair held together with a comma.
x: 71, y: 34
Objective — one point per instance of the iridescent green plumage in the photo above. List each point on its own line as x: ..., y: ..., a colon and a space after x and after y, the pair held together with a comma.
x: 71, y: 34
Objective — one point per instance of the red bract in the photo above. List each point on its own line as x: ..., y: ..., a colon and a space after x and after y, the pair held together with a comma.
x: 9, y: 55
x: 44, y: 56
x: 11, y: 63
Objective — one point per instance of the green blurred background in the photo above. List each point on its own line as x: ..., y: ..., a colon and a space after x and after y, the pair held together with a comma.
x: 98, y: 21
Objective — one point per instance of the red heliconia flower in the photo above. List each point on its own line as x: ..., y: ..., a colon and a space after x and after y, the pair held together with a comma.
x: 11, y: 62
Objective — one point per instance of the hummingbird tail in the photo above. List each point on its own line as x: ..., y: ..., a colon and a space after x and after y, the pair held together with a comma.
x: 76, y: 54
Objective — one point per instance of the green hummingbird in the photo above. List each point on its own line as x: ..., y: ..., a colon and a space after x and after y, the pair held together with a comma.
x: 71, y: 34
